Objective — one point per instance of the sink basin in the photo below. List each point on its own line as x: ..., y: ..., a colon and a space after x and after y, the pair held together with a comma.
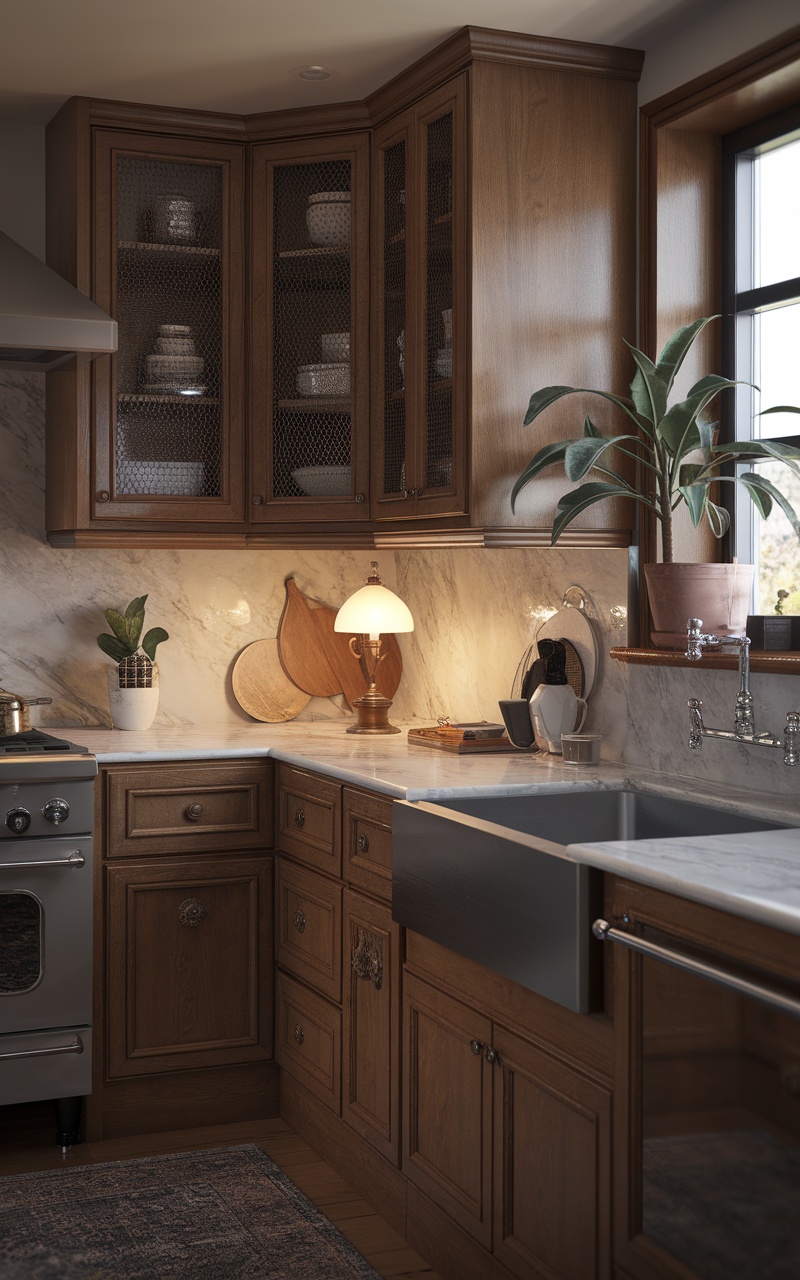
x: 489, y: 877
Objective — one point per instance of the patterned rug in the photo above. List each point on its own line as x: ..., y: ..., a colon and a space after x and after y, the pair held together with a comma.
x: 227, y: 1214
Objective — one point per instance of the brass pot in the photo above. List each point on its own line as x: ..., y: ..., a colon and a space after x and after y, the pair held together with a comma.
x: 14, y: 712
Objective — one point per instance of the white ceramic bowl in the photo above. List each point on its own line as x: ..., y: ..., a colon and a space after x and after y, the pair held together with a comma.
x: 443, y: 363
x: 183, y: 479
x: 323, y: 380
x: 164, y: 368
x: 335, y: 346
x: 328, y: 223
x: 323, y: 482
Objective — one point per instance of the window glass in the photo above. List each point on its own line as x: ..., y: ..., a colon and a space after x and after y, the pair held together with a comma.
x: 777, y: 202
x: 776, y: 339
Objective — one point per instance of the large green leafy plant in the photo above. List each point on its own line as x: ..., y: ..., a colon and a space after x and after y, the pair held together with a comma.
x: 674, y: 445
x: 127, y: 631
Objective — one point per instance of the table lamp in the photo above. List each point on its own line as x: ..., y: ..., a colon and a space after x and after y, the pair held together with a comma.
x: 372, y: 611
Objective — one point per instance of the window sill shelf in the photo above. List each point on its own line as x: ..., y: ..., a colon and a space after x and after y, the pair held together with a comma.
x: 786, y: 663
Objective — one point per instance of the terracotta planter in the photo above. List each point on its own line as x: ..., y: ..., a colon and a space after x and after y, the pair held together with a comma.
x: 719, y: 594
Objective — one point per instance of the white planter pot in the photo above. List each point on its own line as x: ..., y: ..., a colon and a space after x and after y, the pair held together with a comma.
x: 131, y: 708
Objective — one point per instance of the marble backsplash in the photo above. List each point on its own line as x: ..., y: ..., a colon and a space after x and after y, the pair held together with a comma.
x: 475, y: 611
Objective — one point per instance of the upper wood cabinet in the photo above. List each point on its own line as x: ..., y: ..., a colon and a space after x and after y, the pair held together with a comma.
x: 310, y: 331
x: 356, y: 367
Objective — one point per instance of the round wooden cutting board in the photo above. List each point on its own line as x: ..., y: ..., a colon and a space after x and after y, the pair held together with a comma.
x: 261, y: 686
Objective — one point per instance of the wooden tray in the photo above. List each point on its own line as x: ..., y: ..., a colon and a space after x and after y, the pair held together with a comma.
x: 444, y: 741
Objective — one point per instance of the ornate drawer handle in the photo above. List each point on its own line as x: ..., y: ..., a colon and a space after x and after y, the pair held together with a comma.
x: 299, y: 921
x: 299, y: 1033
x: 367, y: 957
x: 299, y: 817
x: 476, y: 1047
x: 194, y: 812
x: 490, y: 1054
x: 363, y: 843
x: 192, y: 912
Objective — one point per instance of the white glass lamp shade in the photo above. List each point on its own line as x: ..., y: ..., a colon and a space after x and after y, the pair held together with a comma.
x: 374, y: 610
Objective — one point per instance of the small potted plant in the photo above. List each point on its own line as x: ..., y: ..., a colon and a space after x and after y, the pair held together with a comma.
x: 679, y: 462
x: 133, y: 682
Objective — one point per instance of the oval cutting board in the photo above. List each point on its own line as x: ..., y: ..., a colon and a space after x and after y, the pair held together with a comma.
x: 261, y: 686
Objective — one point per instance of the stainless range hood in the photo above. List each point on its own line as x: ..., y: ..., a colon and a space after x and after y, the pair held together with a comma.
x: 44, y: 320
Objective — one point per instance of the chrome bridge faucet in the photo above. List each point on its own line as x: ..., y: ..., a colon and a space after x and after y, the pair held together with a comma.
x: 743, y: 718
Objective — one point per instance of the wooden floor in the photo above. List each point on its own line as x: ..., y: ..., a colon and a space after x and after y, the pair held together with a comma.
x: 27, y: 1144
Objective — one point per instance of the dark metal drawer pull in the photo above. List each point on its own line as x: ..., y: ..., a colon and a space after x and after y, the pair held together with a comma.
x: 476, y: 1047
x: 367, y: 957
x: 299, y: 817
x: 490, y: 1054
x: 192, y: 912
x: 194, y: 812
x: 75, y: 1046
x: 299, y: 920
x: 299, y: 1034
x: 767, y: 995
x: 363, y: 843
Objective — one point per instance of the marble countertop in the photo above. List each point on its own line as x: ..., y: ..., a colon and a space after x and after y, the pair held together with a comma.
x: 756, y: 876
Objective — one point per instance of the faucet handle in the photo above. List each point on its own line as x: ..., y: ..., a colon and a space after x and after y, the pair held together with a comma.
x: 696, y: 726
x: 791, y: 738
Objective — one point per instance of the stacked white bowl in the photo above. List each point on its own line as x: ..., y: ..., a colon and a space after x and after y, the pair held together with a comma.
x: 173, y: 361
x: 328, y: 219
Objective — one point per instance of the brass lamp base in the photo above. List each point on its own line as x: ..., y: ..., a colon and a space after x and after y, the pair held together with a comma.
x: 373, y: 711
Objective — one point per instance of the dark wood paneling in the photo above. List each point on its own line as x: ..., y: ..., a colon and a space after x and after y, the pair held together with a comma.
x: 183, y: 1099
x: 309, y: 928
x: 309, y: 819
x: 308, y: 1040
x: 189, y: 808
x: 367, y: 841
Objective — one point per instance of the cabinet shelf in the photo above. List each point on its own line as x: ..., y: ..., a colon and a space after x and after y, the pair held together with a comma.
x: 292, y: 255
x: 129, y: 397
x: 189, y: 250
x: 319, y: 404
x: 443, y: 218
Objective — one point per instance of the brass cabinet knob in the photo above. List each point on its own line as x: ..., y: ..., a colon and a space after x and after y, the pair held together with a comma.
x: 299, y: 921
x: 194, y: 812
x: 476, y: 1047
x: 299, y: 817
x: 363, y: 843
x: 299, y: 1033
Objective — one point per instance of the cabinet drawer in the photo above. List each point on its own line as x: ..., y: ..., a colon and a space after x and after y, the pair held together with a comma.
x: 309, y: 928
x: 368, y: 843
x: 309, y: 819
x: 308, y: 1034
x: 189, y: 808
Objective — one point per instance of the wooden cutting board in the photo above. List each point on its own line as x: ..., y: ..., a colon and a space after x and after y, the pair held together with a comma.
x: 261, y: 686
x: 318, y: 659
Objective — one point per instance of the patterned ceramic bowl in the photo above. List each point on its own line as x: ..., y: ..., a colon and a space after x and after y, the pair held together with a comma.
x: 323, y: 482
x: 328, y: 219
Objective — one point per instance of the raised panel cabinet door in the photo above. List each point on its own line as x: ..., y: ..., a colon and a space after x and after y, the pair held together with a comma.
x: 310, y: 330
x: 167, y: 436
x: 447, y: 1105
x: 367, y: 843
x: 552, y: 1165
x: 371, y: 1024
x: 309, y: 927
x: 309, y: 819
x: 189, y: 980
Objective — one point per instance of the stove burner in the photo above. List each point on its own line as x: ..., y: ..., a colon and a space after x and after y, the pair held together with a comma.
x: 35, y: 743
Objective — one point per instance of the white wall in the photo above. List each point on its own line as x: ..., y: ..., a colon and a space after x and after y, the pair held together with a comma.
x: 22, y: 185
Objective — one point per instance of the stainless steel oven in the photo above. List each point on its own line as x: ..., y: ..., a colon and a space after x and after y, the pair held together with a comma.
x: 46, y: 809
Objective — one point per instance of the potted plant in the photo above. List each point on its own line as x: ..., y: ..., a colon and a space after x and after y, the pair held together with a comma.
x: 678, y: 463
x: 133, y: 682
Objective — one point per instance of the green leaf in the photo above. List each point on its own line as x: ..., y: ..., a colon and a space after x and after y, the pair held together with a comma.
x: 695, y: 496
x: 767, y: 489
x: 134, y: 626
x: 648, y: 390
x: 546, y: 457
x: 582, y: 455
x: 589, y: 429
x: 674, y: 353
x: 761, y: 500
x: 136, y: 606
x: 678, y: 429
x: 779, y: 408
x: 718, y: 518
x: 154, y: 637
x: 572, y: 504
x: 541, y: 400
x: 112, y: 646
x: 755, y: 451
x: 119, y: 626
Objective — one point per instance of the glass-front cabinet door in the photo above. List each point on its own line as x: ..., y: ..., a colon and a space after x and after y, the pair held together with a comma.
x: 419, y: 385
x: 168, y: 436
x: 310, y: 331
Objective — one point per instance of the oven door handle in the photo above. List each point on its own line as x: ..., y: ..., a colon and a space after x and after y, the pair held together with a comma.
x: 74, y: 1046
x: 74, y: 860
x: 767, y: 995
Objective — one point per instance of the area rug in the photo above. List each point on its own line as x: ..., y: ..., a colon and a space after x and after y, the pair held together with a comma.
x: 227, y: 1214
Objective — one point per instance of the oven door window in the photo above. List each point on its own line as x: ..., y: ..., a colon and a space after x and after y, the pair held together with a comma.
x: 720, y: 1129
x: 21, y: 943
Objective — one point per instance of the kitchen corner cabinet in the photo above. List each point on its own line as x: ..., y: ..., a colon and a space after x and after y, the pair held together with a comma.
x: 511, y: 1142
x: 164, y: 447
x: 310, y: 331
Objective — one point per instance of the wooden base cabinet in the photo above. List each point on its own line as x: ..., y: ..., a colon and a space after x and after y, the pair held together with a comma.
x: 511, y: 1142
x: 189, y: 965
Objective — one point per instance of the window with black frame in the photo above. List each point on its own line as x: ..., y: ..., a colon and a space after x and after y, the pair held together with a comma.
x: 761, y: 245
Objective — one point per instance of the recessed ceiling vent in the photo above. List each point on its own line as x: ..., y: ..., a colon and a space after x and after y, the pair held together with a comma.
x: 44, y: 320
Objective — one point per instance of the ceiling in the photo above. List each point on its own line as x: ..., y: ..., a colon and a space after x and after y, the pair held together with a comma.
x: 242, y: 55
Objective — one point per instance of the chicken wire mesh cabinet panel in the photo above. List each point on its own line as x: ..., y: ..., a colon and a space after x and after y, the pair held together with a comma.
x: 169, y: 221
x: 310, y: 331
